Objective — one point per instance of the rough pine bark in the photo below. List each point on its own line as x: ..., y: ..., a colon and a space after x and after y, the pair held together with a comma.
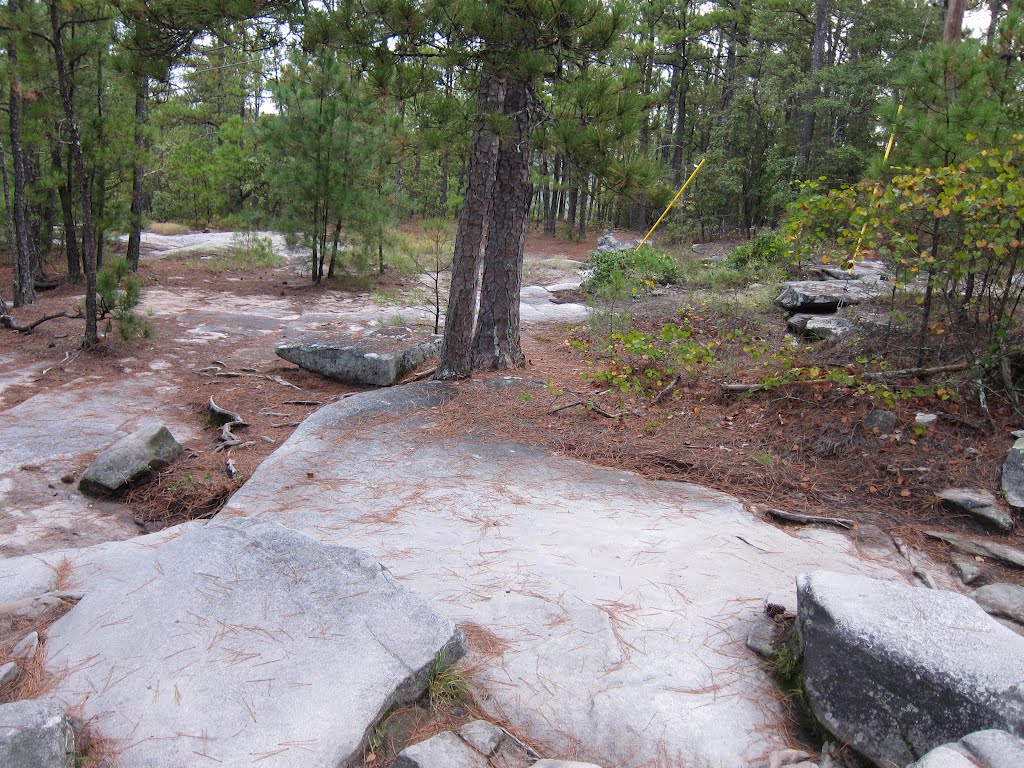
x: 24, y: 277
x: 138, y: 172
x: 821, y: 19
x: 497, y: 342
x: 456, y: 357
x: 89, y: 241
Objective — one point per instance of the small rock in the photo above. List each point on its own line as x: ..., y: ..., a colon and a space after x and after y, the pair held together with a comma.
x: 446, y: 750
x: 9, y: 673
x: 1004, y: 600
x: 483, y: 736
x: 979, y: 503
x: 883, y: 421
x: 925, y: 419
x: 981, y: 749
x: 562, y: 764
x: 982, y: 548
x: 128, y: 459
x: 402, y: 725
x: 35, y: 734
x: 29, y: 610
x: 970, y: 571
x: 819, y: 327
x: 762, y: 637
x: 1013, y: 475
x: 609, y: 243
x: 26, y: 647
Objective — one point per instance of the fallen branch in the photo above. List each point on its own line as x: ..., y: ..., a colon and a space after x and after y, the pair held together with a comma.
x: 420, y: 376
x: 282, y: 382
x: 672, y: 385
x: 907, y: 372
x: 563, y: 407
x: 227, y: 438
x: 302, y: 402
x: 285, y: 424
x: 793, y: 517
x: 14, y: 325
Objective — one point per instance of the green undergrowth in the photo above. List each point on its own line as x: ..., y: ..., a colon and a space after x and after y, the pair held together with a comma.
x: 786, y: 667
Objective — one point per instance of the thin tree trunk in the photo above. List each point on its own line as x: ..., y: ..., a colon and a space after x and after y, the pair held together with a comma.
x: 138, y: 172
x: 24, y: 277
x: 100, y: 171
x: 91, y: 335
x: 954, y: 21
x: 67, y: 210
x: 497, y: 342
x: 817, y: 58
x: 456, y: 357
x: 7, y: 203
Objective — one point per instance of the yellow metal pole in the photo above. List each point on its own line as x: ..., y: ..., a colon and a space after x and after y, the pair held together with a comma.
x: 669, y: 207
x: 885, y: 159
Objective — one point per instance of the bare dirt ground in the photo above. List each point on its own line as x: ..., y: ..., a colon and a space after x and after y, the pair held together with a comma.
x: 802, y: 449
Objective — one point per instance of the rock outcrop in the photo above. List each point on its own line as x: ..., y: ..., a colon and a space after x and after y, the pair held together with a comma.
x: 35, y: 734
x: 245, y: 639
x: 984, y: 749
x: 979, y: 504
x: 896, y: 671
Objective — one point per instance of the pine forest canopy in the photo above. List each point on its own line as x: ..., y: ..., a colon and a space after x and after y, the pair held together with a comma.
x: 335, y: 121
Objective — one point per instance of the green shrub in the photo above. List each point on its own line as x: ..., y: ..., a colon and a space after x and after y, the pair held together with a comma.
x: 766, y: 250
x: 645, y: 266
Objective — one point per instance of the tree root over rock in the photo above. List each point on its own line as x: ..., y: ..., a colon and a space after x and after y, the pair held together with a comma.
x: 231, y: 420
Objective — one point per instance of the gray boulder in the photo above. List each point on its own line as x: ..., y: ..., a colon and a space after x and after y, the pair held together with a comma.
x: 35, y: 734
x: 379, y: 359
x: 972, y: 546
x: 253, y: 635
x: 609, y: 243
x: 823, y: 295
x: 446, y: 750
x: 970, y: 571
x: 1003, y: 600
x: 819, y: 327
x: 9, y: 673
x: 983, y: 749
x: 1013, y: 475
x: 129, y: 459
x: 896, y: 671
x: 978, y: 503
x: 884, y: 421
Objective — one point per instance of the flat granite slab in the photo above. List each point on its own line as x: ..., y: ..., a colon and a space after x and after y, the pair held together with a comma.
x: 606, y: 614
x: 379, y: 358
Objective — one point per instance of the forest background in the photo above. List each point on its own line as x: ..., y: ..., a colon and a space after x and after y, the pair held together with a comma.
x: 337, y: 121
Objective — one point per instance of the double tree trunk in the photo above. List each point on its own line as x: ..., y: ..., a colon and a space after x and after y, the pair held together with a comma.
x: 68, y: 213
x: 88, y: 240
x: 456, y: 358
x: 138, y: 172
x: 24, y: 274
x: 497, y: 342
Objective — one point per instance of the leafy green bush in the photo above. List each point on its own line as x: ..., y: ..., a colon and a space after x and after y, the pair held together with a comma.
x: 118, y: 293
x: 646, y: 266
x: 765, y: 250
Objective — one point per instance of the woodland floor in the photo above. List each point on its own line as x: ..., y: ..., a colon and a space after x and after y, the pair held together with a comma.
x: 798, y: 448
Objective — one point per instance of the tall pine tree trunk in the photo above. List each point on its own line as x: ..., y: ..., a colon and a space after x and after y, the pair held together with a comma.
x: 497, y: 342
x: 456, y: 357
x: 817, y: 60
x: 89, y: 242
x: 138, y: 172
x: 24, y: 275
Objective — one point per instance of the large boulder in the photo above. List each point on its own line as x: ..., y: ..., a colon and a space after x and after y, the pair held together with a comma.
x: 1005, y: 554
x: 984, y: 749
x: 246, y: 639
x: 130, y: 458
x: 1013, y: 475
x: 896, y: 671
x: 378, y: 359
x: 818, y: 296
x: 35, y: 734
x: 978, y: 503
